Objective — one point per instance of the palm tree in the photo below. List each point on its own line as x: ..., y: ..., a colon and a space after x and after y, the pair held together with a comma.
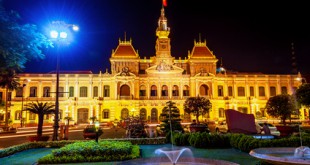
x: 9, y: 81
x: 40, y: 109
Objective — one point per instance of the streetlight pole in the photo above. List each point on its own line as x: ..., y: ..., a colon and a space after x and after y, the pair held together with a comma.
x: 56, y: 119
x: 59, y: 33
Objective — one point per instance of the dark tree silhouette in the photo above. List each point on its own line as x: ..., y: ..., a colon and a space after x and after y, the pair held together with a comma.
x: 197, y: 106
x: 281, y: 106
x: 40, y: 109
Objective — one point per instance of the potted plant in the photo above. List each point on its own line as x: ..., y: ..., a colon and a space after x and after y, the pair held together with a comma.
x: 197, y: 106
x: 40, y: 109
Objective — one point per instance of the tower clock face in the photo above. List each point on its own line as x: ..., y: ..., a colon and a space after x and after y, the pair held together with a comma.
x: 163, y: 46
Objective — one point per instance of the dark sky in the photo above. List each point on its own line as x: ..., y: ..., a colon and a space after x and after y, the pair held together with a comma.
x: 249, y: 36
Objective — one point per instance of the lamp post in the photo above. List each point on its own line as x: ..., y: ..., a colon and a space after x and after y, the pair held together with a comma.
x: 60, y: 31
x: 97, y: 130
x: 22, y: 109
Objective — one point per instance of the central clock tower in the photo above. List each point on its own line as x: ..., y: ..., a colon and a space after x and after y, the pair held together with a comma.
x: 163, y: 47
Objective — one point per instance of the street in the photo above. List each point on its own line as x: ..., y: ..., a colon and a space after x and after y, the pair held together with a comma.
x: 75, y: 133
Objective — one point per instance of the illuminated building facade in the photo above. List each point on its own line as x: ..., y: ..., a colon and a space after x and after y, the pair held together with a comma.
x: 142, y: 86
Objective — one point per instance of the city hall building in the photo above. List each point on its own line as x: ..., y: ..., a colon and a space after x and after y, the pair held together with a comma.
x: 142, y: 86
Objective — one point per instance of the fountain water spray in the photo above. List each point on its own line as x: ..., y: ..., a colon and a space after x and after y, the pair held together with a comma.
x: 174, y: 153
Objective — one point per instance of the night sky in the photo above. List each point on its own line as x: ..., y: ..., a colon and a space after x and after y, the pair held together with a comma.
x: 252, y: 36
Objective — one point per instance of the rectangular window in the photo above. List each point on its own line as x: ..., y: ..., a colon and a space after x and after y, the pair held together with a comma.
x: 71, y: 91
x: 175, y: 92
x: 241, y: 91
x: 32, y: 116
x: 261, y: 91
x: 61, y: 91
x: 47, y: 117
x: 221, y: 112
x: 46, y: 91
x: 17, y: 115
x: 105, y: 114
x: 95, y: 91
x: 230, y: 91
x: 33, y: 92
x: 251, y: 91
x: 153, y: 92
x: 220, y: 91
x: 185, y: 92
x: 273, y: 91
x: 83, y: 91
x: 19, y: 92
x: 106, y: 91
x: 283, y: 90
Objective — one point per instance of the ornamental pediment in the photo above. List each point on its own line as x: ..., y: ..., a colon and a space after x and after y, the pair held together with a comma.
x: 164, y: 69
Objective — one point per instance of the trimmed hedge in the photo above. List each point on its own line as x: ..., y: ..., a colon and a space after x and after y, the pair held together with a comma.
x: 91, y: 151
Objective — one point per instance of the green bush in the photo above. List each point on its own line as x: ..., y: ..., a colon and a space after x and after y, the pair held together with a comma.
x: 90, y: 151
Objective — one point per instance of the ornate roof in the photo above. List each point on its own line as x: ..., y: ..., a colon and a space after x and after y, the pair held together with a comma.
x: 201, y: 50
x: 125, y: 50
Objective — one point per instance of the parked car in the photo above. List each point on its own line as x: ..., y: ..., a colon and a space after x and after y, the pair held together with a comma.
x: 221, y: 127
x: 273, y: 128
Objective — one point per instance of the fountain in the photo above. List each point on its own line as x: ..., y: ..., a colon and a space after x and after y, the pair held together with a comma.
x: 284, y: 155
x: 174, y: 153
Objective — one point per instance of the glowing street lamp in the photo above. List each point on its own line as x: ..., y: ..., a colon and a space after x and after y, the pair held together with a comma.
x: 97, y: 124
x: 61, y: 34
x: 301, y: 79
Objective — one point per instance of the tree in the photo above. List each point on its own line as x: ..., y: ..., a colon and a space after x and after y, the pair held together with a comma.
x: 8, y: 81
x: 281, y: 106
x: 303, y: 95
x: 170, y: 111
x: 197, y: 106
x: 19, y: 43
x: 40, y: 109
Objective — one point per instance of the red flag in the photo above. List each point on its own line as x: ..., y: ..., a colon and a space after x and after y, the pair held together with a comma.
x: 165, y: 3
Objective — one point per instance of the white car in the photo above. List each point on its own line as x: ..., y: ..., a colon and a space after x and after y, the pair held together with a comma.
x: 273, y: 128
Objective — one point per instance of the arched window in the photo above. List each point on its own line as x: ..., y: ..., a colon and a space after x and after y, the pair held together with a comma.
x: 125, y: 90
x: 124, y: 113
x: 175, y: 90
x: 164, y: 90
x: 153, y: 90
x: 186, y: 90
x: 154, y: 118
x: 142, y: 91
x: 143, y: 114
x: 204, y: 89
